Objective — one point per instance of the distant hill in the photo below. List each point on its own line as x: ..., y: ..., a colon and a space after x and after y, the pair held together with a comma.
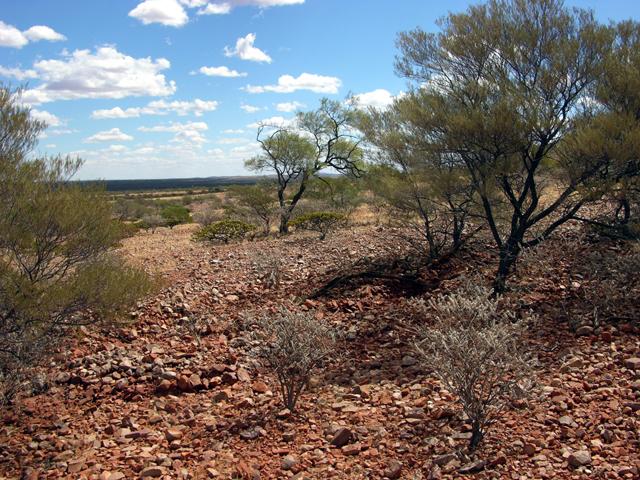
x: 173, y: 183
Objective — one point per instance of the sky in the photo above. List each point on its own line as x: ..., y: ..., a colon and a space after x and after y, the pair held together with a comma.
x: 176, y: 88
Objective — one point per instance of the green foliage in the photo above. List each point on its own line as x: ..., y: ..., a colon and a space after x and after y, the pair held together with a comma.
x: 503, y: 115
x: 223, y: 231
x: 318, y: 140
x: 321, y: 222
x: 56, y: 269
x: 175, y: 215
x: 256, y: 201
x: 339, y: 193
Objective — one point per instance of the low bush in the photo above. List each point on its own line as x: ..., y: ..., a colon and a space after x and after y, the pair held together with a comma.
x: 477, y: 350
x: 321, y: 222
x: 175, y: 215
x: 292, y: 345
x: 224, y: 231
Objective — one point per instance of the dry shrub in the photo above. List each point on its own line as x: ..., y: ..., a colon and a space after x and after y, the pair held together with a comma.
x: 292, y: 345
x: 476, y: 349
x: 268, y: 268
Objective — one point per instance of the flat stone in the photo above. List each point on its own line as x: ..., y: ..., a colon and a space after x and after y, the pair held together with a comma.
x: 342, y: 437
x: 579, y: 459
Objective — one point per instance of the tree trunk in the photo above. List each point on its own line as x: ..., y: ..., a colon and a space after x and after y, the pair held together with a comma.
x: 476, y: 437
x: 284, y: 222
x: 508, y: 255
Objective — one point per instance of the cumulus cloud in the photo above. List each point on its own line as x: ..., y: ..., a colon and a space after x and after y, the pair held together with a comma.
x: 42, y: 32
x: 196, y: 107
x: 172, y: 13
x: 49, y: 118
x: 276, y: 121
x: 221, y: 72
x: 306, y: 81
x: 245, y: 50
x: 113, y: 135
x: 18, y: 73
x: 232, y: 131
x: 379, y: 98
x: 10, y: 36
x: 165, y: 12
x: 289, y: 107
x: 188, y: 133
x: 224, y: 7
x: 107, y: 73
x: 250, y: 108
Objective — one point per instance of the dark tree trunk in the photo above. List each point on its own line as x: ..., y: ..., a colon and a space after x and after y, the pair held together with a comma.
x: 476, y: 437
x: 508, y: 255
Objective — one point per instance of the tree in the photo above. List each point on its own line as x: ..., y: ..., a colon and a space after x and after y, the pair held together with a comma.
x: 175, y: 215
x: 57, y: 270
x: 427, y: 189
x: 316, y: 141
x: 321, y: 222
x: 259, y: 201
x: 612, y: 135
x: 501, y: 87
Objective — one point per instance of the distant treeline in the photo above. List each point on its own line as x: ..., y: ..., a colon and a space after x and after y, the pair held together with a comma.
x: 172, y: 183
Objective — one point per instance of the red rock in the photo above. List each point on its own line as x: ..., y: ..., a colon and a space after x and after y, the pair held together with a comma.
x: 259, y: 387
x: 632, y: 363
x: 394, y: 470
x: 353, y: 449
x: 579, y: 459
x: 152, y: 472
x: 173, y: 434
x: 342, y: 437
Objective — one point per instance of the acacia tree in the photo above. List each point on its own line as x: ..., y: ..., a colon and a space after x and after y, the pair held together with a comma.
x: 427, y: 189
x: 56, y: 270
x: 501, y: 86
x: 613, y: 135
x: 259, y: 201
x: 316, y: 141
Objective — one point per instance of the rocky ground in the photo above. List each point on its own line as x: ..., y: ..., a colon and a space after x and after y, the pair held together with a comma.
x: 176, y: 393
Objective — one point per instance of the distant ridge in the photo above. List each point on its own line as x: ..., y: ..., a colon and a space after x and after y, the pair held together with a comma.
x: 172, y: 183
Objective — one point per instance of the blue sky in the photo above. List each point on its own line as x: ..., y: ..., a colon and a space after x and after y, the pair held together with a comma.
x: 174, y: 88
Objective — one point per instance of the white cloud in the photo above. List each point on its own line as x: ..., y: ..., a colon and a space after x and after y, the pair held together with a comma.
x: 49, y: 118
x: 196, y: 107
x: 113, y: 135
x: 232, y: 141
x: 18, y: 73
x: 188, y: 133
x: 306, y: 81
x: 221, y: 72
x: 250, y: 108
x: 215, y: 9
x: 245, y: 50
x: 379, y: 98
x: 42, y: 32
x: 166, y: 12
x: 10, y: 36
x: 289, y: 107
x: 231, y: 131
x: 106, y: 74
x: 225, y: 7
x: 277, y: 121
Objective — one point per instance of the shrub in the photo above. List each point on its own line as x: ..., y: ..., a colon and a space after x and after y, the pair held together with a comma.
x: 175, y: 215
x: 321, y: 222
x: 152, y: 222
x: 476, y: 349
x: 223, y: 231
x: 56, y: 271
x: 268, y: 268
x: 292, y: 345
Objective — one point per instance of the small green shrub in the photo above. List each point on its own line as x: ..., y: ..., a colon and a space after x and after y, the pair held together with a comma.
x: 175, y: 215
x: 223, y: 231
x: 321, y: 222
